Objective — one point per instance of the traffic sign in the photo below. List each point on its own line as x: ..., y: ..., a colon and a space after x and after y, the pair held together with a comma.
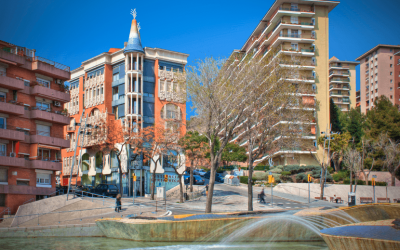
x: 309, y: 177
x: 166, y: 178
x: 134, y: 178
x: 270, y: 178
x: 373, y: 181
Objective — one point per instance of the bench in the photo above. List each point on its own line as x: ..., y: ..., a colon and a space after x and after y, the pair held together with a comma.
x: 382, y: 200
x: 339, y: 199
x: 365, y: 200
x: 318, y: 198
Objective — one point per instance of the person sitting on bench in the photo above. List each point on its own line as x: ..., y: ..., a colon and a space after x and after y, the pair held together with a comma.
x: 262, y: 194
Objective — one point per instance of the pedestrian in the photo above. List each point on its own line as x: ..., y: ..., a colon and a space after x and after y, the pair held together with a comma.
x: 262, y: 195
x: 334, y: 198
x: 118, y: 203
x: 207, y: 190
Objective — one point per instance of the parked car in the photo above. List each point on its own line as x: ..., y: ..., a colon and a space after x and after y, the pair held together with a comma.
x: 197, y: 180
x: 218, y: 177
x: 200, y: 172
x: 106, y: 190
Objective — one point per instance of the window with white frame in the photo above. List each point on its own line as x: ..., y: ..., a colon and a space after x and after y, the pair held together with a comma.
x: 294, y: 19
x: 43, y: 82
x: 295, y: 46
x: 45, y: 106
x: 43, y: 180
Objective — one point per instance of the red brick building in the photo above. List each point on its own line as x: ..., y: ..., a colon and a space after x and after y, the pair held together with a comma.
x: 32, y: 96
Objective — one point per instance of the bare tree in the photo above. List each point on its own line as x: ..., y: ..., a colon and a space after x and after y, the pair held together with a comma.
x: 367, y: 149
x: 352, y: 159
x: 278, y: 110
x: 391, y: 160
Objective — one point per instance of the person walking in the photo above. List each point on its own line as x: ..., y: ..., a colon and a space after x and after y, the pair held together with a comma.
x: 262, y: 195
x: 118, y: 203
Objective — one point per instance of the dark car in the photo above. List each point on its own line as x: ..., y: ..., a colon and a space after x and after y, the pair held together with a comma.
x: 106, y: 190
x: 197, y: 180
x: 218, y: 177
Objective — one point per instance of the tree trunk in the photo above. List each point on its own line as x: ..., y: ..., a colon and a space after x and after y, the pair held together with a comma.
x: 191, y: 176
x: 250, y: 185
x: 153, y: 182
x: 214, y: 165
x: 366, y: 178
x: 322, y: 182
x: 351, y: 181
x: 355, y: 183
x: 180, y: 189
x: 120, y: 176
x: 393, y: 178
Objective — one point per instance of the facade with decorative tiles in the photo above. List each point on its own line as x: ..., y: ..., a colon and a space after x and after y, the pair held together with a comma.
x: 135, y: 85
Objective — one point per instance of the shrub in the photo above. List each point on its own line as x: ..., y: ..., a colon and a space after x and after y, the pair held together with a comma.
x: 295, y: 169
x: 285, y: 173
x: 341, y: 175
x: 277, y: 177
x: 245, y: 179
x: 330, y: 170
x: 260, y: 176
x: 361, y: 182
x: 261, y: 167
x: 300, y: 177
x: 276, y: 170
x: 280, y: 167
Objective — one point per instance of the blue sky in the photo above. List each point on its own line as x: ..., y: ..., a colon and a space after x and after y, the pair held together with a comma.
x: 70, y: 32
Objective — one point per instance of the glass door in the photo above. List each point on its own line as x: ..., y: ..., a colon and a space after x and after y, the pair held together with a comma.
x: 3, y: 124
x: 43, y: 154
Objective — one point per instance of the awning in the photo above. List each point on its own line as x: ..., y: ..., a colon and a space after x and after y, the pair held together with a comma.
x: 49, y: 147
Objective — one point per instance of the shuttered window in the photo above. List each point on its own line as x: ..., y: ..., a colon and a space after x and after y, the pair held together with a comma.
x: 3, y: 175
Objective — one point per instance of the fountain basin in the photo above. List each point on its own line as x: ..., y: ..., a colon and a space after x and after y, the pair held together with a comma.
x: 362, y: 236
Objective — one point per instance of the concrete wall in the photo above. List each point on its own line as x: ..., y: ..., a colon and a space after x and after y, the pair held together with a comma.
x: 301, y: 189
x: 53, y: 231
x: 40, y: 207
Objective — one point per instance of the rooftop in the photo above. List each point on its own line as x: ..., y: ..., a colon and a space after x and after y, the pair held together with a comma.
x: 375, y: 48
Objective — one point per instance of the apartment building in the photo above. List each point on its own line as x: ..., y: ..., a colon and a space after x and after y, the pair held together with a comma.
x: 342, y: 83
x: 379, y: 72
x: 32, y: 96
x: 135, y: 85
x: 298, y: 28
x: 358, y: 98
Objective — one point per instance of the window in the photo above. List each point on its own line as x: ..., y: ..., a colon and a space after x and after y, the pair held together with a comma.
x: 391, y: 97
x: 391, y: 73
x: 391, y: 65
x: 3, y: 149
x: 43, y: 154
x: 2, y: 97
x: 26, y: 106
x: 22, y: 182
x: 43, y: 179
x: 26, y: 83
x: 398, y: 62
x: 391, y: 50
x: 43, y: 83
x: 295, y: 46
x: 3, y: 123
x: 2, y: 200
x: 391, y: 81
x: 294, y: 7
x: 43, y: 130
x: 313, y: 21
x: 3, y: 175
x: 391, y: 89
x: 116, y: 77
x: 294, y: 19
x: 43, y: 106
x: 391, y: 57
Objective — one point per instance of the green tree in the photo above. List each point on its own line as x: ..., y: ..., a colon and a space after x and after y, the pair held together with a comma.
x: 383, y: 118
x: 334, y: 115
x: 234, y: 152
x: 354, y: 123
x: 193, y: 143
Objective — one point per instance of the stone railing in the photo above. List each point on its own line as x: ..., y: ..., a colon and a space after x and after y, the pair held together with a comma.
x: 170, y: 96
x: 98, y: 80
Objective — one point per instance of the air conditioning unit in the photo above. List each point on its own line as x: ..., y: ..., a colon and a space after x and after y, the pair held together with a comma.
x: 12, y: 154
x: 58, y: 81
x: 57, y: 104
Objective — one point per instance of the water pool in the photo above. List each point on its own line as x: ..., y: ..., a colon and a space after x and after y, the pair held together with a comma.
x: 98, y: 243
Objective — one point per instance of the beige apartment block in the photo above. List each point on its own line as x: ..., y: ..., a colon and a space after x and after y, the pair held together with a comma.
x: 342, y: 83
x: 378, y: 75
x: 299, y: 28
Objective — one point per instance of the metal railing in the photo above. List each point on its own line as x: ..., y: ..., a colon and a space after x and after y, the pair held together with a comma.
x: 7, y: 210
x: 55, y: 64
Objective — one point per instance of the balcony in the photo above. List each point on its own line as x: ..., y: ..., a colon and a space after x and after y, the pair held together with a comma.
x: 9, y: 133
x: 340, y: 80
x: 50, y: 94
x: 48, y: 67
x: 11, y: 83
x: 11, y: 108
x: 12, y: 58
x: 49, y: 117
x: 12, y: 162
x: 32, y: 190
x: 46, y: 165
x: 51, y: 141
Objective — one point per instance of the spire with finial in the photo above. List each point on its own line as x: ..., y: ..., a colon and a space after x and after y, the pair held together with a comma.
x: 134, y: 43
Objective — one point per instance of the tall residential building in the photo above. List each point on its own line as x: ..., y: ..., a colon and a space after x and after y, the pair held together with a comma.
x: 135, y: 85
x: 378, y: 72
x: 301, y: 28
x: 342, y: 83
x: 32, y: 97
x: 358, y: 98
